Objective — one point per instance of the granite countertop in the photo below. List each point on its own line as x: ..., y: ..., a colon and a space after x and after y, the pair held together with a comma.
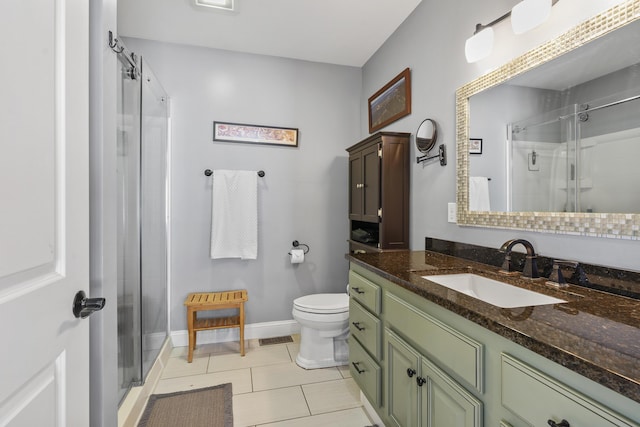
x: 595, y: 334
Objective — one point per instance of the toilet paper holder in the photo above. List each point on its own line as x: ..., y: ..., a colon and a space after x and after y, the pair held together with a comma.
x: 295, y: 244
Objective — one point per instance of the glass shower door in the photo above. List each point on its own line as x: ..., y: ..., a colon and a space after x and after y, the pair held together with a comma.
x: 128, y: 239
x: 153, y: 236
x: 143, y: 117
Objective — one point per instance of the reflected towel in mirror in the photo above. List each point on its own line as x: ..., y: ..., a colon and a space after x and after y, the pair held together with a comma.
x: 479, y: 193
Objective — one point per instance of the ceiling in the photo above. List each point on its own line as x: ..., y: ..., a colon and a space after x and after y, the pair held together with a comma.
x: 330, y: 31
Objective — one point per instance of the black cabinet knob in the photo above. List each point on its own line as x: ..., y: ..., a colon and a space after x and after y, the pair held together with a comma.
x: 563, y: 423
x: 411, y: 372
x: 420, y: 381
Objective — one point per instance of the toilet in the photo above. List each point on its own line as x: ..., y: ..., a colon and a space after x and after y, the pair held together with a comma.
x: 324, y: 321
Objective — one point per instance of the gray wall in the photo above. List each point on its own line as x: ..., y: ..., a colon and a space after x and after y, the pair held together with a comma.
x: 304, y: 193
x: 431, y: 42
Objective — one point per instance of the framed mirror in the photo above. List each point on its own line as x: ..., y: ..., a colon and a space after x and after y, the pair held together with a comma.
x: 560, y: 132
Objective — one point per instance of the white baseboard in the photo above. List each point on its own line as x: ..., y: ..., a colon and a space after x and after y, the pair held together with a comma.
x: 154, y: 341
x: 251, y: 331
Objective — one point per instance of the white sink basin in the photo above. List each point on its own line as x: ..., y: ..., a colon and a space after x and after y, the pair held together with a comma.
x: 492, y: 291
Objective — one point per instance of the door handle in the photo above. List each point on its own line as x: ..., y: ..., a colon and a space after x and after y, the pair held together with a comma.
x: 83, y: 307
x: 357, y: 325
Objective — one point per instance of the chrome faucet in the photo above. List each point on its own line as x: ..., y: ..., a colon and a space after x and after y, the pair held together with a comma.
x: 530, y: 270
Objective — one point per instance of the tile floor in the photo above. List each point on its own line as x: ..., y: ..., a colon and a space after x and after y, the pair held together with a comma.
x: 269, y: 389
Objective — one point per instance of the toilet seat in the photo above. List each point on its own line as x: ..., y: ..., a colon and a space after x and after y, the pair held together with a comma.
x: 322, y: 303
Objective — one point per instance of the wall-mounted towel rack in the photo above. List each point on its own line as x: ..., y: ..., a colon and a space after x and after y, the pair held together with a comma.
x: 209, y: 172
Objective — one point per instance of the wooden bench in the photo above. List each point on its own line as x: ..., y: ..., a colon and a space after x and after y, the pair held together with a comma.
x: 206, y: 301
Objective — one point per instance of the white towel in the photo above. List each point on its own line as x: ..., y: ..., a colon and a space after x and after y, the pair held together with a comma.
x: 234, y: 215
x: 479, y: 193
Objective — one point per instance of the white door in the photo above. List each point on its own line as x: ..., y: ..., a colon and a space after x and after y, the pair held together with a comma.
x: 44, y: 212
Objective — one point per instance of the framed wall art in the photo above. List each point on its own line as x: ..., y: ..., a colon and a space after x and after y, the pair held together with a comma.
x: 475, y: 145
x: 391, y: 102
x: 255, y: 134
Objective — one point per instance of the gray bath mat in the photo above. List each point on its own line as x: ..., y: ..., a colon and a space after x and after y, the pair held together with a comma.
x: 206, y: 407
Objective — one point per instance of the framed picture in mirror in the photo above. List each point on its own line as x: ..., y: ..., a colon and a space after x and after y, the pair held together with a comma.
x: 475, y: 145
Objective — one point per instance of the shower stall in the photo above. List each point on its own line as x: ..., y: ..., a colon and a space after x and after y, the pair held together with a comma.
x: 143, y: 117
x: 578, y: 158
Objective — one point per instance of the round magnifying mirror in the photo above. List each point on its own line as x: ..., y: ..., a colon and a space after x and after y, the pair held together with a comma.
x: 426, y: 135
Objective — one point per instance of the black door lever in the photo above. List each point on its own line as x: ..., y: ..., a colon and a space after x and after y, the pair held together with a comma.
x: 83, y: 307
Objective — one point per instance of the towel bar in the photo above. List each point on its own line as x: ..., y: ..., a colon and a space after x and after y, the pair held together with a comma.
x: 209, y: 172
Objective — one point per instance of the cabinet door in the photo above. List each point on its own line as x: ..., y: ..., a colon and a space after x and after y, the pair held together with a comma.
x: 394, y: 193
x: 443, y: 402
x: 371, y: 181
x: 403, y: 363
x: 355, y: 186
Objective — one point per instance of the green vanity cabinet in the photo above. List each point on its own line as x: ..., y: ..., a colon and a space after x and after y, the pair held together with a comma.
x: 536, y: 398
x: 470, y: 376
x: 403, y: 364
x: 365, y: 291
x: 366, y: 372
x: 422, y: 395
x: 365, y: 336
x: 460, y: 354
x: 365, y: 327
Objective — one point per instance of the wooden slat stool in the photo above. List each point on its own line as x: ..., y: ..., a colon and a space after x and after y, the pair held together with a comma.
x: 205, y: 301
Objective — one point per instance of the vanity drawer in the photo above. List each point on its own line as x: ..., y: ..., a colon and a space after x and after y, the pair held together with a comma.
x: 365, y: 372
x: 365, y: 327
x: 536, y: 398
x: 452, y: 349
x: 365, y: 292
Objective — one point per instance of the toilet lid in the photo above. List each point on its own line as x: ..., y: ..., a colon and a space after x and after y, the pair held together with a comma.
x: 323, y: 303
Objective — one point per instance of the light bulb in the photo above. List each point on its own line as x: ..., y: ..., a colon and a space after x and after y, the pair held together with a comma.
x: 479, y: 45
x: 528, y: 14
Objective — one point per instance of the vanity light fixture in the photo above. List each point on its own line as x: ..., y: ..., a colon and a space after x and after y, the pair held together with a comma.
x: 528, y: 14
x: 217, y: 4
x: 479, y: 45
x: 525, y: 16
